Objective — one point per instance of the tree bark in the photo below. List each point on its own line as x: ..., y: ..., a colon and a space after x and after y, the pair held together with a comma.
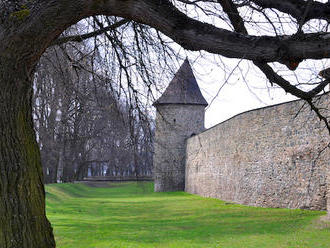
x: 296, y: 8
x: 23, y: 222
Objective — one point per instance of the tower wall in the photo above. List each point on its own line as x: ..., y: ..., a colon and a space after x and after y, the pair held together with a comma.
x: 174, y: 124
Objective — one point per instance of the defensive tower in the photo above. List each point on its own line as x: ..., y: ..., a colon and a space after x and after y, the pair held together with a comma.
x: 180, y: 114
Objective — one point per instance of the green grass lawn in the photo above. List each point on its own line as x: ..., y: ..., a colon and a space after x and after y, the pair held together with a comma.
x: 132, y: 215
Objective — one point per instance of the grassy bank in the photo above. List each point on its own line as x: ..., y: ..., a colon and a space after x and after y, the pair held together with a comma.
x: 132, y: 215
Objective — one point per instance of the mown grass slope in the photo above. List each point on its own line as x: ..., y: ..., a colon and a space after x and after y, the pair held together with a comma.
x: 132, y: 215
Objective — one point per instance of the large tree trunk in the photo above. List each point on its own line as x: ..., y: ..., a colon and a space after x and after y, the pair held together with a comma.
x: 23, y: 222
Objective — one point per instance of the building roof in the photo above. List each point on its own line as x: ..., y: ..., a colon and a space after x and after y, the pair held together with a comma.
x: 183, y: 89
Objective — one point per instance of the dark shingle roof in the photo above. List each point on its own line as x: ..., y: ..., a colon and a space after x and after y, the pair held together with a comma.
x: 183, y: 89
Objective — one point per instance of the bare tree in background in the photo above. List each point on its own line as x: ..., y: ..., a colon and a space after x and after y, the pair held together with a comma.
x: 85, y: 126
x: 28, y: 28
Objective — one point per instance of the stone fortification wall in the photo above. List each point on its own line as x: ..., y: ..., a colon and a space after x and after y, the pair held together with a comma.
x: 272, y: 157
x: 174, y: 124
x: 328, y: 193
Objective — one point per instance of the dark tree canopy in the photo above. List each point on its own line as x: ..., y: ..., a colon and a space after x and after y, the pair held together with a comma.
x: 29, y: 27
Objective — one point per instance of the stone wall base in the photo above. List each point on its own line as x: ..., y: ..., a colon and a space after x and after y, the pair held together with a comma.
x: 169, y: 181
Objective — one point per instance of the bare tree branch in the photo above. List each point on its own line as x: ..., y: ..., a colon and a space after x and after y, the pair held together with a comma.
x: 162, y: 15
x: 80, y: 38
x: 296, y: 8
x: 275, y: 78
x: 238, y: 23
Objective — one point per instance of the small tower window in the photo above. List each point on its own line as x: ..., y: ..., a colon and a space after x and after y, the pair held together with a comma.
x: 174, y: 120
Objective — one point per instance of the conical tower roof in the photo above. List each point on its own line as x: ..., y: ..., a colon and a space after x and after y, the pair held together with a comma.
x: 183, y: 89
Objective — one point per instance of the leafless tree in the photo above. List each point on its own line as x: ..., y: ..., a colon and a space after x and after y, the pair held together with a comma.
x: 80, y: 123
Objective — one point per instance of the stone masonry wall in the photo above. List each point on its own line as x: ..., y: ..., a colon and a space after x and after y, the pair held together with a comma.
x: 328, y: 194
x: 272, y: 157
x: 174, y: 124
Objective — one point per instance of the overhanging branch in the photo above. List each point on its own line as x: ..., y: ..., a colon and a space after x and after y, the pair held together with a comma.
x: 80, y: 38
x: 238, y: 23
x: 162, y: 15
x: 273, y: 77
x: 296, y: 8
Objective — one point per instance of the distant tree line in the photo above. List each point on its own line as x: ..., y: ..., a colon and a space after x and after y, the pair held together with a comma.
x: 84, y: 126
